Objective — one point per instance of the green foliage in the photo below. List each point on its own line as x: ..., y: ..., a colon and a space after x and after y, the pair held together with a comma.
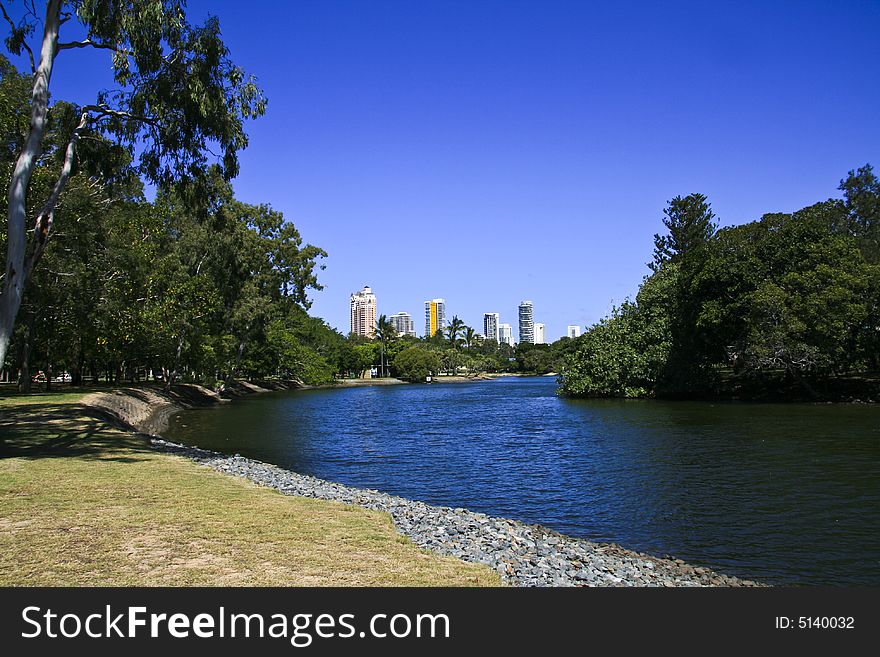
x: 179, y: 83
x: 689, y: 224
x: 177, y: 99
x: 454, y: 332
x: 293, y: 359
x: 621, y: 356
x: 363, y: 357
x: 14, y: 119
x: 387, y: 336
x: 189, y: 288
x: 416, y: 364
x: 791, y: 295
x: 788, y: 293
x: 861, y: 191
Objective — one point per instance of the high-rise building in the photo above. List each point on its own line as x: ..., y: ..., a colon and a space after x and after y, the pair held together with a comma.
x: 435, y: 316
x: 539, y: 334
x: 505, y: 334
x: 363, y: 313
x: 574, y: 331
x: 526, y: 323
x: 490, y: 326
x: 403, y: 324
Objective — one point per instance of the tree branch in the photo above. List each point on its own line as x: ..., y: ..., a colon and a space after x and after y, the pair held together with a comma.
x: 23, y: 42
x: 104, y: 110
x: 87, y: 43
x: 45, y: 219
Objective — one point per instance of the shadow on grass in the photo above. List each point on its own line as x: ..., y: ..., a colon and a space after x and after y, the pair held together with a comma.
x: 66, y: 430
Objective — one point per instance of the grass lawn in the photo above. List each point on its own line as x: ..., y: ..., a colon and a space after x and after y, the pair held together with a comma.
x: 83, y: 503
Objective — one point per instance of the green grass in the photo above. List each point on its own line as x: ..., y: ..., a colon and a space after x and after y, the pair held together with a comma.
x: 11, y: 397
x: 84, y: 503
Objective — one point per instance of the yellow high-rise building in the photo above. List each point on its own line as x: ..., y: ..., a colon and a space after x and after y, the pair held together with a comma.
x: 435, y: 316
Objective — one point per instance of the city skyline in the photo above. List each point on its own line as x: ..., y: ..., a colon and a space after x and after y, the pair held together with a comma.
x: 365, y: 304
x: 477, y: 323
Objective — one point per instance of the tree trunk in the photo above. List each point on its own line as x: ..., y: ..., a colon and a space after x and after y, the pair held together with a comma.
x: 24, y: 381
x: 49, y: 365
x: 76, y: 371
x: 238, y: 354
x: 16, y: 276
x: 173, y: 375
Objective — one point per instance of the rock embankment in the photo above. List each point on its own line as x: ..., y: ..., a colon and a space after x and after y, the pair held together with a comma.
x: 524, y: 555
x: 147, y: 409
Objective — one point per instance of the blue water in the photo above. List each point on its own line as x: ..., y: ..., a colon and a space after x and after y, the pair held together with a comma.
x: 780, y: 493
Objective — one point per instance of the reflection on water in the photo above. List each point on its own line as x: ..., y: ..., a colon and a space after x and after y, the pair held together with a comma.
x: 782, y: 493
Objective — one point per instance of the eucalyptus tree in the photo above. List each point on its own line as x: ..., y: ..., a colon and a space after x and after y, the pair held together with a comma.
x: 177, y: 97
x: 256, y: 260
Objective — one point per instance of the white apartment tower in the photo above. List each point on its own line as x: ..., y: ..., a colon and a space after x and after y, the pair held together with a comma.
x: 539, y: 334
x: 526, y: 323
x: 505, y: 334
x: 574, y: 331
x: 363, y: 313
x: 403, y: 324
x: 490, y: 326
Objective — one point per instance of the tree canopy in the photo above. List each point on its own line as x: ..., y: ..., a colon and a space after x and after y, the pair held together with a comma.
x: 178, y: 98
x: 784, y: 305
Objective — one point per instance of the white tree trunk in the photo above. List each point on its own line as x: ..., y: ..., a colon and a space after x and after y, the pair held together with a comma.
x: 16, y: 275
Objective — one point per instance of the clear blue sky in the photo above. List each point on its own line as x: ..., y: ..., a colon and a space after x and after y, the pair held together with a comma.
x: 489, y: 152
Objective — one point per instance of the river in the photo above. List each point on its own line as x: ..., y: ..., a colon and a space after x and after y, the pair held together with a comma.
x: 781, y: 493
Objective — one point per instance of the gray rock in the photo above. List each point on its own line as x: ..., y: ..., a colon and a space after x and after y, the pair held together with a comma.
x: 524, y: 555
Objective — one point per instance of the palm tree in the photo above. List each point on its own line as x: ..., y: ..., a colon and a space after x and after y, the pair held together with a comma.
x: 453, y: 334
x: 470, y: 337
x: 385, y: 334
x: 454, y: 330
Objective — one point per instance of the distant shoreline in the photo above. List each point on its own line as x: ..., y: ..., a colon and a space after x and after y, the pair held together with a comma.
x: 388, y: 381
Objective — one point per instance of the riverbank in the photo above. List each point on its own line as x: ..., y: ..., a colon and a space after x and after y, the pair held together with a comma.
x: 86, y: 502
x: 523, y: 555
x: 147, y: 409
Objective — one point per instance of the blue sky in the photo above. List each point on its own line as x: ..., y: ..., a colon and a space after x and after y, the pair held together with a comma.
x: 489, y: 152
